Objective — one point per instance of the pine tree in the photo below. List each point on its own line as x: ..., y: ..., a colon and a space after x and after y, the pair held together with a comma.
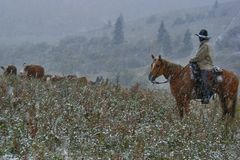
x: 118, y: 34
x: 161, y: 32
x: 212, y: 12
x: 187, y: 44
x: 164, y: 40
x: 215, y: 4
x: 167, y: 46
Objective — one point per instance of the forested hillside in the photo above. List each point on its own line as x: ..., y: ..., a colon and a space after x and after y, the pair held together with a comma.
x: 101, y: 52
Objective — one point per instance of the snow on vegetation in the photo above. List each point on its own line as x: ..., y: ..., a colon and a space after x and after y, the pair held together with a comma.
x: 68, y: 120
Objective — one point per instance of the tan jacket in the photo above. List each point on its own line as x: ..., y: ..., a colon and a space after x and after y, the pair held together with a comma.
x: 204, y: 56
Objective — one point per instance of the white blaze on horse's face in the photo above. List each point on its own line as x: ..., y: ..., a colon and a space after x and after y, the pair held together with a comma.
x: 156, y: 68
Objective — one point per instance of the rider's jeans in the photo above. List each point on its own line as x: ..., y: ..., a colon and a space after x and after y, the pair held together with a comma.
x: 205, y: 90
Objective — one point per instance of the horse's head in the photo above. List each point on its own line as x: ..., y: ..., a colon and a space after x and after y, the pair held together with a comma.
x: 156, y: 68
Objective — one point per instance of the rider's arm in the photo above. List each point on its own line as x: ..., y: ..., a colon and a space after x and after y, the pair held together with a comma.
x: 201, y: 54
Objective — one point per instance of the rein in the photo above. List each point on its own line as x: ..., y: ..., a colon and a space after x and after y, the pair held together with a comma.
x: 155, y: 82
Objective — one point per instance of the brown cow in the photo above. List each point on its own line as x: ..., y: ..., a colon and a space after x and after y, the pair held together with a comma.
x: 10, y: 70
x: 35, y: 71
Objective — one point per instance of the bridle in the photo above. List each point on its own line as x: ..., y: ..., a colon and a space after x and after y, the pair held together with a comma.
x: 155, y: 82
x: 168, y: 79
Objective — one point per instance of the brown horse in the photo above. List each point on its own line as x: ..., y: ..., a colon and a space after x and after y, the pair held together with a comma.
x: 34, y: 71
x: 182, y: 85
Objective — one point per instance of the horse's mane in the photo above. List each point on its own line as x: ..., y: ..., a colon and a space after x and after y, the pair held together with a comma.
x: 172, y: 65
x: 171, y: 69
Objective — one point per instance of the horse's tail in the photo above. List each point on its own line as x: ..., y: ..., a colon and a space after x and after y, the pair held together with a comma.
x: 233, y: 99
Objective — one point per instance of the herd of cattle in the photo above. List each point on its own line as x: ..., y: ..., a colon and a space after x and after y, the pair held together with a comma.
x: 37, y: 71
x: 34, y: 71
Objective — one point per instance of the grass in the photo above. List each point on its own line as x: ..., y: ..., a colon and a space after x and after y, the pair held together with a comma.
x: 68, y: 120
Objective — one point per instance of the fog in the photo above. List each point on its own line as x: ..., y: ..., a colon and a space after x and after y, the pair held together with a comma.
x: 109, y: 44
x: 57, y: 18
x: 77, y: 36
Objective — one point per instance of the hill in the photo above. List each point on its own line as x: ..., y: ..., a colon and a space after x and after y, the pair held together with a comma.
x: 93, y: 53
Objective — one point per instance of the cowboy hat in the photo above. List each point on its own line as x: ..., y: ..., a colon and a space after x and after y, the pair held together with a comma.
x: 203, y: 34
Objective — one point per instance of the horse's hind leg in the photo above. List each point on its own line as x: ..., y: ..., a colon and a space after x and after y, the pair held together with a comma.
x: 180, y: 109
x: 234, y: 104
x: 231, y: 106
x: 224, y: 106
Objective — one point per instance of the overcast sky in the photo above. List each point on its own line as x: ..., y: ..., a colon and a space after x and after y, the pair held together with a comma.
x: 99, y: 8
x: 33, y: 15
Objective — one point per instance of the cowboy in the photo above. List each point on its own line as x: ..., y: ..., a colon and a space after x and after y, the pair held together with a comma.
x: 204, y: 61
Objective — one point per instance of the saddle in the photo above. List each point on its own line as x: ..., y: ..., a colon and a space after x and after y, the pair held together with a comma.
x: 214, y: 77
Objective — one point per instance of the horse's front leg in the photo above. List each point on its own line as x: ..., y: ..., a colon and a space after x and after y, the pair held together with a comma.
x: 186, y: 104
x: 223, y: 106
x: 180, y: 106
x: 183, y: 104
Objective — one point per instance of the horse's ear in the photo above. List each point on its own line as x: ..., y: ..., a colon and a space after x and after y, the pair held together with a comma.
x: 159, y: 56
x: 153, y: 56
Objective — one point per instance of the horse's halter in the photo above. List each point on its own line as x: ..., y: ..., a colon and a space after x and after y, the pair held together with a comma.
x: 168, y: 77
x: 158, y: 72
